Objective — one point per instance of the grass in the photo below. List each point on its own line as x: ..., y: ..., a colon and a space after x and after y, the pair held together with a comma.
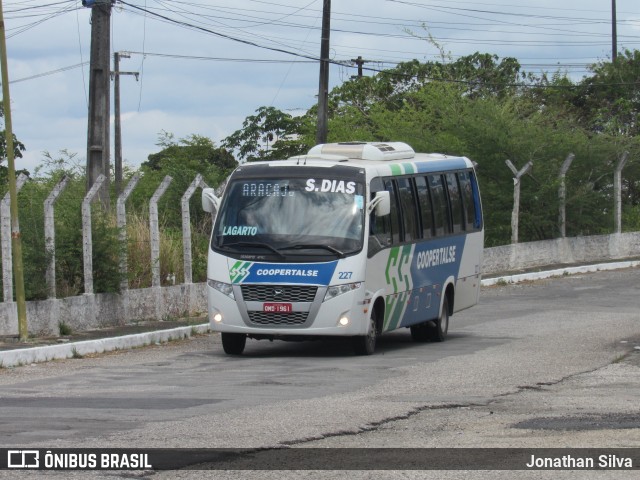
x: 620, y: 358
x: 139, y: 253
x: 64, y: 328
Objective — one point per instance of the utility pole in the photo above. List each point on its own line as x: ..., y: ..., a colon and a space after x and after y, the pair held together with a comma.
x: 98, y: 137
x: 116, y: 110
x: 16, y: 239
x: 323, y: 87
x: 614, y: 32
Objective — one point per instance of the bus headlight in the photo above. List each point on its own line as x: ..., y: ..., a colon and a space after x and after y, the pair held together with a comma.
x: 337, y: 290
x: 222, y: 287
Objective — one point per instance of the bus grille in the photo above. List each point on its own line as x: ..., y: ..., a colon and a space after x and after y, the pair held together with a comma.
x: 279, y: 293
x: 280, y: 319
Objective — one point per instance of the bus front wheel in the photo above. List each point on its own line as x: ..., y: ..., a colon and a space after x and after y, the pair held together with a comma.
x: 366, y: 344
x: 233, y: 343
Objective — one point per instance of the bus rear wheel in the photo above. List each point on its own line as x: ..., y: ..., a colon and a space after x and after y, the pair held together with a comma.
x: 437, y: 331
x: 233, y: 343
x: 366, y: 344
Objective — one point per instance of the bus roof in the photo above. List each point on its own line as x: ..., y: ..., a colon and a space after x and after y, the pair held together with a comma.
x: 390, y: 158
x: 365, y: 150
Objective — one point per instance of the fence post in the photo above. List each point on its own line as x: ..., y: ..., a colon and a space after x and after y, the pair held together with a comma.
x: 50, y: 234
x: 155, y: 231
x: 617, y: 190
x: 5, y: 226
x: 186, y: 227
x: 121, y: 214
x: 516, y: 196
x: 562, y: 195
x: 87, y: 240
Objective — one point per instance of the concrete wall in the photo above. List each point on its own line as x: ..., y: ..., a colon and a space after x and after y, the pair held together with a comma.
x: 94, y: 311
x: 561, y: 251
x: 101, y: 310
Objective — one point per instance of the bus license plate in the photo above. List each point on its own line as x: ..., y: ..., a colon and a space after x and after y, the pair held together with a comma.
x: 277, y: 307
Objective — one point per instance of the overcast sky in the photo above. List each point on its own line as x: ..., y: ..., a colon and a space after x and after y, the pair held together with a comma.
x: 205, y: 65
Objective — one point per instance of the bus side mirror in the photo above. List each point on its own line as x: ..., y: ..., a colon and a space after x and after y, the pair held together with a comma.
x: 381, y: 203
x: 210, y: 203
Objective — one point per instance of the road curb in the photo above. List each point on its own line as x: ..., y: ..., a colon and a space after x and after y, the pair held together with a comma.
x: 26, y: 356
x: 560, y: 272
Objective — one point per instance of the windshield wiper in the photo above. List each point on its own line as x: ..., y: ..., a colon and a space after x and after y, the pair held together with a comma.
x: 255, y: 244
x: 302, y: 246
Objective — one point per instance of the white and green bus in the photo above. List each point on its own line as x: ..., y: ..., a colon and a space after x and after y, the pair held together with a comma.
x: 353, y: 240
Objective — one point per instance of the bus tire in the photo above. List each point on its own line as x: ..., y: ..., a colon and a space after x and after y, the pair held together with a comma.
x: 366, y: 344
x: 233, y: 343
x: 439, y: 328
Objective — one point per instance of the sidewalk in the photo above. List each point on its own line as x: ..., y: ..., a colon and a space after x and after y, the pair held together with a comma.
x: 15, y: 353
x: 43, y: 349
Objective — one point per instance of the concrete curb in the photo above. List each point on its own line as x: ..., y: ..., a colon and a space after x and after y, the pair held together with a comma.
x: 26, y: 356
x: 487, y: 282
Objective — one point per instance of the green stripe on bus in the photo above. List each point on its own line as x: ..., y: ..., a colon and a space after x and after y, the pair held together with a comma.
x: 400, y: 282
x: 396, y: 170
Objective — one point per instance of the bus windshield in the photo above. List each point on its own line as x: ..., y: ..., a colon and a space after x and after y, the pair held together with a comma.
x: 289, y: 216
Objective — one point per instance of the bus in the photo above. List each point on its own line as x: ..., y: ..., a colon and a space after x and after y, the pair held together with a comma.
x: 352, y: 239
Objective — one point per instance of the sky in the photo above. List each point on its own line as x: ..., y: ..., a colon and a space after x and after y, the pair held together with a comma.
x: 205, y: 65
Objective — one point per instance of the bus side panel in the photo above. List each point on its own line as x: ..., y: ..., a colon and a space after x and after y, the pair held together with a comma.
x: 469, y: 275
x: 413, y: 277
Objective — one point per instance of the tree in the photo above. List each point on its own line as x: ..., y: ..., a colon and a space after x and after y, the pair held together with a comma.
x: 195, y: 152
x: 270, y: 134
x: 18, y: 148
x: 609, y: 99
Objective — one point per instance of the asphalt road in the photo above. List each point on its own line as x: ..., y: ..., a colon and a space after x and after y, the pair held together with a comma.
x: 546, y: 364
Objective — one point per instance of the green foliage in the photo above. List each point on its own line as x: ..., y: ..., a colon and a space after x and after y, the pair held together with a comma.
x: 269, y: 135
x: 182, y: 160
x: 474, y: 107
x: 18, y: 148
x: 610, y: 98
x: 63, y: 328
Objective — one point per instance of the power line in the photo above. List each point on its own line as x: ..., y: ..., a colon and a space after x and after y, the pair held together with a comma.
x: 218, y: 34
x: 305, y: 58
x: 50, y: 72
x: 219, y: 59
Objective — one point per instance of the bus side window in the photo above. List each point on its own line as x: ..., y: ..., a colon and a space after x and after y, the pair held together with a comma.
x: 409, y: 211
x: 472, y: 222
x: 379, y: 227
x: 439, y: 202
x: 426, y: 212
x: 455, y: 199
x: 394, y: 217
